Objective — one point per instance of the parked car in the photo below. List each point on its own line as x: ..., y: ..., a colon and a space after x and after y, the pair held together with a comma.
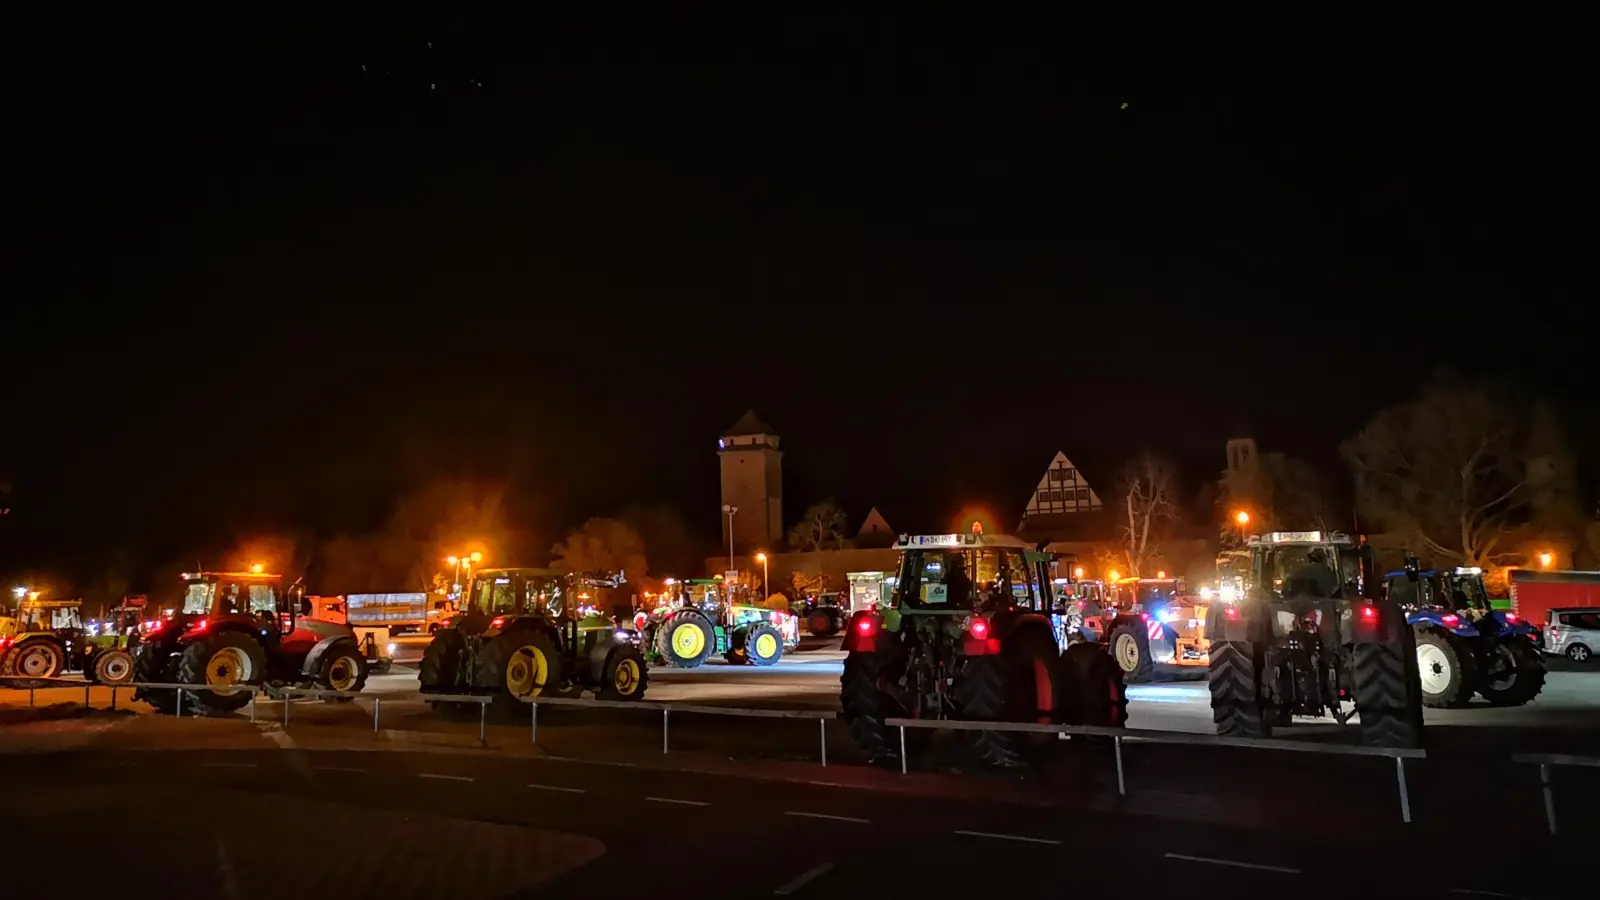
x: 1573, y: 633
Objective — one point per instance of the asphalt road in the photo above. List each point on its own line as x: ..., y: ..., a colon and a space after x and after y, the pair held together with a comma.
x: 241, y: 825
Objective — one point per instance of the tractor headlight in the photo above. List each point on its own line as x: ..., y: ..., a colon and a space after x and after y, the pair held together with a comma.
x: 1229, y: 594
x: 1165, y: 616
x: 391, y: 649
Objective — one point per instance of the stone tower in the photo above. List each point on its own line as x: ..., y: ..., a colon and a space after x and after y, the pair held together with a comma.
x: 752, y: 481
x: 1242, y: 457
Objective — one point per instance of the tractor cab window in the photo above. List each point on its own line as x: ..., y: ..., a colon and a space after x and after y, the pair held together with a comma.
x: 494, y: 596
x: 543, y: 596
x: 262, y: 599
x: 944, y: 579
x: 65, y: 618
x: 1023, y: 581
x: 197, y: 598
x: 1300, y: 571
x: 1467, y: 592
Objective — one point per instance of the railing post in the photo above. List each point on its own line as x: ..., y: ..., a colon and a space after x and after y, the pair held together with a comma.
x: 180, y: 703
x: 253, y: 695
x: 902, y: 750
x: 483, y: 723
x: 86, y: 695
x: 1116, y: 747
x: 665, y: 713
x: 286, y: 709
x: 1405, y: 795
x: 377, y: 709
x: 534, y: 732
x: 822, y: 732
x: 1549, y: 797
x: 30, y: 695
x: 113, y: 696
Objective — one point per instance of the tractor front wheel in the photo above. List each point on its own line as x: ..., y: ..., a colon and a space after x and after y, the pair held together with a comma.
x: 762, y: 645
x: 1443, y: 666
x: 344, y: 668
x: 113, y: 667
x: 1130, y: 647
x: 232, y: 662
x: 625, y: 677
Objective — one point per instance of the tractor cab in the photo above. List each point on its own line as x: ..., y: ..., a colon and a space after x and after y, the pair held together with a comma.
x: 255, y: 601
x: 951, y: 573
x: 60, y: 617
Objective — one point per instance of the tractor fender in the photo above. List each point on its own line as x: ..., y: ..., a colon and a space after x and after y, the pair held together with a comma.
x: 1433, y: 618
x: 314, y: 658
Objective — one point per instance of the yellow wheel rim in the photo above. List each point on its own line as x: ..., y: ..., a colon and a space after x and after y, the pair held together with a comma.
x: 626, y: 678
x: 688, y: 640
x: 228, y: 666
x: 766, y: 646
x: 342, y: 674
x: 527, y: 672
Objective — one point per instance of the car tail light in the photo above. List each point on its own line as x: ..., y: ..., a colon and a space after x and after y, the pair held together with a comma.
x: 979, y: 628
x: 1450, y: 619
x: 865, y: 626
x: 497, y: 622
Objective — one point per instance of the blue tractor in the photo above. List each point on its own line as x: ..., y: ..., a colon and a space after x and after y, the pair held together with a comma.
x: 1465, y: 647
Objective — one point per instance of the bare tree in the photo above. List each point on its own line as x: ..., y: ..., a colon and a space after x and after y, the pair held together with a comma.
x: 1281, y: 493
x: 1150, y: 493
x: 1457, y: 469
x: 821, y: 527
x: 602, y: 545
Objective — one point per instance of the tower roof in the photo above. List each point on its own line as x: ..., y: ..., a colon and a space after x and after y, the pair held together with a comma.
x: 748, y: 424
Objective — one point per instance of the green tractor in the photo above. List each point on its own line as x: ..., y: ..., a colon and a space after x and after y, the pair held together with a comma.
x: 700, y: 617
x: 525, y: 633
x: 967, y: 635
x: 47, y: 639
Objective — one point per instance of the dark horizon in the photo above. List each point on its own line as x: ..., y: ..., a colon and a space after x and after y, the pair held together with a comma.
x: 259, y: 288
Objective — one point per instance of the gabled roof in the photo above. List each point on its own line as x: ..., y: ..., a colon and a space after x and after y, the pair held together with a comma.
x: 874, y: 523
x: 748, y: 424
x: 1062, y: 490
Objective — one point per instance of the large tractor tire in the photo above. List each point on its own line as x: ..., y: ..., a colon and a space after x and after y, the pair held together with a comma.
x: 111, y: 667
x: 824, y: 622
x: 1236, y: 706
x: 1445, y: 668
x: 35, y: 660
x: 440, y: 669
x: 152, y: 665
x: 760, y: 644
x: 227, y: 659
x: 1389, y: 689
x: 520, y: 665
x: 1130, y: 649
x: 343, y: 668
x: 1094, y: 691
x: 864, y: 706
x: 686, y: 640
x: 1516, y: 677
x: 625, y: 677
x: 986, y: 691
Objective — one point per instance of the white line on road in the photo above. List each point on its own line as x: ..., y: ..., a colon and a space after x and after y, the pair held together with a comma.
x: 337, y: 769
x: 443, y: 777
x: 1234, y: 863
x: 552, y: 787
x: 680, y: 802
x: 1008, y: 837
x: 812, y: 815
x: 1471, y: 893
x: 803, y: 879
x: 827, y: 784
x: 227, y: 765
x: 282, y: 739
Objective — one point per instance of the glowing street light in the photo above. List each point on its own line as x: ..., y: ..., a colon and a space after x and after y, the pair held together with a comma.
x: 463, y: 562
x: 1241, y: 518
x: 1077, y: 572
x: 1546, y: 559
x: 19, y: 592
x: 1113, y: 575
x: 765, y: 584
x: 257, y: 568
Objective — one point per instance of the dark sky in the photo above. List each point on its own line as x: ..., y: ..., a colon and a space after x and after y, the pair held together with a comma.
x: 290, y: 266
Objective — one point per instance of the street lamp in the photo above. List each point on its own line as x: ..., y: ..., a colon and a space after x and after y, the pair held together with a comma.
x: 19, y: 592
x: 1077, y: 572
x: 1241, y: 518
x: 766, y: 585
x: 464, y: 561
x: 730, y: 511
x: 257, y: 568
x: 1546, y: 559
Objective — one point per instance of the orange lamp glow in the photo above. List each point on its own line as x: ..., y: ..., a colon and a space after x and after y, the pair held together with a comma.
x: 1241, y: 517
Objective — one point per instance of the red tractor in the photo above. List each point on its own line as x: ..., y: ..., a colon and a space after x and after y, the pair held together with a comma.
x: 236, y: 631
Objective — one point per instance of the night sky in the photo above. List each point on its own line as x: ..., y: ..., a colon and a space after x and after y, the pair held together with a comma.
x: 277, y: 271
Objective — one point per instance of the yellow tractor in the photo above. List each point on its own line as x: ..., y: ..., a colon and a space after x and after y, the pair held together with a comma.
x: 46, y: 638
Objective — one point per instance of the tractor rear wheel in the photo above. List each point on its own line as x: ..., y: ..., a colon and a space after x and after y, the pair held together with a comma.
x: 520, y: 665
x: 1095, y: 692
x: 1236, y: 705
x: 823, y: 622
x: 1444, y: 667
x: 864, y: 706
x: 153, y: 665
x: 1389, y: 689
x: 113, y: 667
x: 1130, y: 649
x: 686, y: 640
x: 440, y: 668
x: 1004, y: 688
x: 229, y: 659
x: 38, y: 658
x: 1515, y: 676
x: 625, y: 676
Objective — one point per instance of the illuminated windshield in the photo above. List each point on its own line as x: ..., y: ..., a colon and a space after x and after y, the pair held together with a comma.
x: 197, y: 599
x: 1307, y: 570
x: 493, y: 596
x: 944, y: 579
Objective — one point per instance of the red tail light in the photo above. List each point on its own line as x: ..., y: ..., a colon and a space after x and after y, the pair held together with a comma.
x: 201, y: 625
x: 1144, y: 617
x: 866, y: 627
x: 497, y: 622
x: 1512, y: 618
x: 980, y: 628
x: 1233, y: 612
x: 1371, y: 612
x: 1450, y: 619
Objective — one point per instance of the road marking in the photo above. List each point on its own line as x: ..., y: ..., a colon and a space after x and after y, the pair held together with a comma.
x: 1234, y: 863
x: 1472, y: 893
x: 1008, y: 837
x: 803, y: 879
x: 227, y: 765
x: 282, y: 739
x: 812, y: 815
x: 681, y: 802
x: 552, y: 787
x: 443, y: 777
x: 337, y: 769
x: 827, y: 784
